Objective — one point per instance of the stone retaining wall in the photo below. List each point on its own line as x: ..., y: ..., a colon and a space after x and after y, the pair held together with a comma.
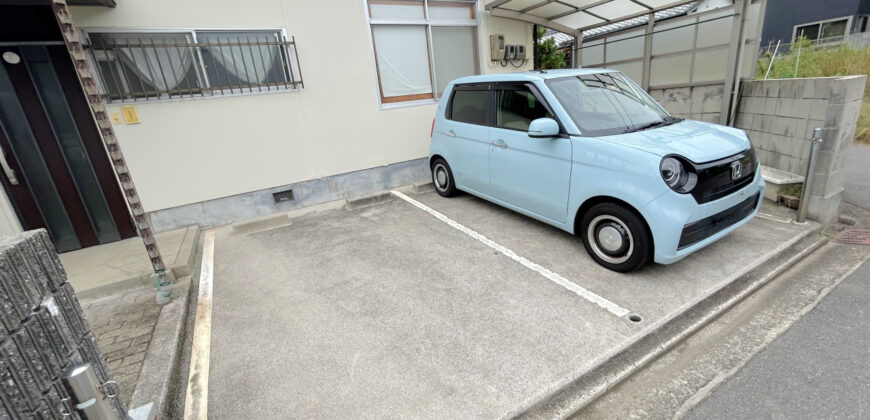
x: 43, y: 330
x: 780, y: 115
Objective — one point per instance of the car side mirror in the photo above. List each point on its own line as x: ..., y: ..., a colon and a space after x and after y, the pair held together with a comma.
x: 543, y: 128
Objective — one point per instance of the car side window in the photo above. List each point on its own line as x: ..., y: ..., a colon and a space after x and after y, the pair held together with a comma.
x: 517, y: 108
x: 469, y: 106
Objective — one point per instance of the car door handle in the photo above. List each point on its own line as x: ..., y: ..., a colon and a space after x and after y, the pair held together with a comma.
x: 10, y: 174
x: 451, y: 133
x: 499, y: 143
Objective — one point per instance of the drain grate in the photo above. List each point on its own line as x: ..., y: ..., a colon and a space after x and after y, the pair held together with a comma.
x: 854, y: 236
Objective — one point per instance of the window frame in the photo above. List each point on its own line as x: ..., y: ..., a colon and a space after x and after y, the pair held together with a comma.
x: 201, y: 73
x: 426, y: 98
x: 848, y: 19
x: 492, y: 102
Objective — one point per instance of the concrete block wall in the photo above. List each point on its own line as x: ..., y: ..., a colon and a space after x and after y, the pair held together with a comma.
x: 702, y: 103
x: 780, y: 115
x: 43, y: 331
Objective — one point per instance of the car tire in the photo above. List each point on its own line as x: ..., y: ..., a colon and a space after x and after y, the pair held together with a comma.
x: 442, y: 178
x: 616, y: 237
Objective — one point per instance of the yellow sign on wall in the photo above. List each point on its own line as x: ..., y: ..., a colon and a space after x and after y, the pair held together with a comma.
x: 116, y: 118
x: 130, y: 116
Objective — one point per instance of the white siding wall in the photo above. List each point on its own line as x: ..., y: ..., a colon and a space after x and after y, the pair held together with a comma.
x: 188, y: 151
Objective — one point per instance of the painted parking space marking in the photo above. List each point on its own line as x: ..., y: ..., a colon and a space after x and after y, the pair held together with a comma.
x: 196, y: 400
x: 611, y: 307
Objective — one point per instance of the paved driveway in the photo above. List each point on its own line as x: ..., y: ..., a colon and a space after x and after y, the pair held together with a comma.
x: 391, y: 311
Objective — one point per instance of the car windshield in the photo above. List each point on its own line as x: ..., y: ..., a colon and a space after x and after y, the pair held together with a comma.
x: 604, y: 104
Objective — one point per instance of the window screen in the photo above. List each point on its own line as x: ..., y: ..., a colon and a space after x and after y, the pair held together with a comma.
x: 517, y: 108
x: 469, y: 106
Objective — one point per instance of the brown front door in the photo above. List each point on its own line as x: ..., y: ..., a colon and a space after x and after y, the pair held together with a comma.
x: 57, y: 173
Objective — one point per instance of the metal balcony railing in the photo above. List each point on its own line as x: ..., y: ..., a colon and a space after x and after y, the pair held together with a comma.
x: 136, y: 67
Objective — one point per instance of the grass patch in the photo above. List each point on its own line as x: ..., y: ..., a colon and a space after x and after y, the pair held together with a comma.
x: 814, y: 61
x: 793, y: 190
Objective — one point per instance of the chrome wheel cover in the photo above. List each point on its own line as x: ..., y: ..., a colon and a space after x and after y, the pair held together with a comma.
x: 608, y: 238
x: 440, y: 177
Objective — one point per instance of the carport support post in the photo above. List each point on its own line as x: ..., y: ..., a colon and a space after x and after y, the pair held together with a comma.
x: 575, y: 53
x: 735, y: 61
x: 119, y: 164
x: 647, y: 51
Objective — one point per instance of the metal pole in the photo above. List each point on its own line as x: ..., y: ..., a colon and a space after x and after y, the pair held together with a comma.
x: 797, y: 61
x: 808, y: 178
x: 86, y: 391
x: 772, y: 58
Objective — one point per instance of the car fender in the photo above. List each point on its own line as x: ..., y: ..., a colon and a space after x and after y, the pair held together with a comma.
x: 604, y: 169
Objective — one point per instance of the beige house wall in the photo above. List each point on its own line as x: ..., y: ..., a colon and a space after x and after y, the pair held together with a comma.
x: 192, y: 150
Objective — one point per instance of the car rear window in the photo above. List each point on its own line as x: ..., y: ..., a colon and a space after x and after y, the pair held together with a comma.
x: 469, y: 106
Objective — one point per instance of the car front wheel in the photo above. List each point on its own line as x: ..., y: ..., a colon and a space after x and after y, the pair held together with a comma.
x: 616, y: 237
x: 442, y: 178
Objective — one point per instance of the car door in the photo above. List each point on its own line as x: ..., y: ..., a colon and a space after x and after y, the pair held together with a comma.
x: 532, y: 174
x: 466, y: 130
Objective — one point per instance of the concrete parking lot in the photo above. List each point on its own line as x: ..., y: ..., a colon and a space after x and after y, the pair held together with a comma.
x: 435, y: 308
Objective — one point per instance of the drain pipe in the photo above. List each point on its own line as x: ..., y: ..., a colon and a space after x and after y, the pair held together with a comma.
x: 808, y: 178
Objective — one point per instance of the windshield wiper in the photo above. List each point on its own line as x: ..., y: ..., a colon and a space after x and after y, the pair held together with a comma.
x: 665, y: 122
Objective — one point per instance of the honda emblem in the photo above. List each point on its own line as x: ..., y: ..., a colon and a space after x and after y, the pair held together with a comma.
x: 736, y: 169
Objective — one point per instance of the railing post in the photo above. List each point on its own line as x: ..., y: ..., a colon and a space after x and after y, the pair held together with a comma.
x: 808, y: 178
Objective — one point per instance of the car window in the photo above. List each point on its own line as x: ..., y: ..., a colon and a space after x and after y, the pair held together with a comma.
x: 469, y: 106
x: 517, y: 108
x: 603, y: 104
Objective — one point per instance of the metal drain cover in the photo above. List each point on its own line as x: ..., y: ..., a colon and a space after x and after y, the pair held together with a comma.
x: 854, y: 236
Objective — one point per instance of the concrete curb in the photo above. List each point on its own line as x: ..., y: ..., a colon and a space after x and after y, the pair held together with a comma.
x: 368, y: 200
x: 178, y: 266
x: 162, y: 355
x: 610, y: 370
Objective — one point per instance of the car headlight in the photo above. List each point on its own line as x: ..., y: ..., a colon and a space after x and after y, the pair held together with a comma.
x: 678, y: 175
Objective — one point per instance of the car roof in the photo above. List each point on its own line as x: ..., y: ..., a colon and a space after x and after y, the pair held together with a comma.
x: 529, y: 76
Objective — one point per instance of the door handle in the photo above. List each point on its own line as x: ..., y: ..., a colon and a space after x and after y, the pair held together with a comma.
x: 499, y: 143
x: 451, y: 133
x: 10, y: 174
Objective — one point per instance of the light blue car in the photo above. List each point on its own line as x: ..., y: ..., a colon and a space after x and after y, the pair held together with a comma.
x: 588, y: 151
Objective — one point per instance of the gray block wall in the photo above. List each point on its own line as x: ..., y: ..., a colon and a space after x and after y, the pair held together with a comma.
x: 780, y: 115
x: 702, y: 103
x: 43, y: 331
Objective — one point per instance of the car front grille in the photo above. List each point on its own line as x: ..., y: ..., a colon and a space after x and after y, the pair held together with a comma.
x: 715, y: 178
x: 702, y: 229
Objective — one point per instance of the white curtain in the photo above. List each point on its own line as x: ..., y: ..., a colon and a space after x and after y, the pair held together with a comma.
x: 247, y: 63
x: 403, y: 59
x: 161, y: 67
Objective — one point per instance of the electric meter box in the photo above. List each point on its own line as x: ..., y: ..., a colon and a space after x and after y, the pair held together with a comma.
x: 496, y: 47
x: 510, y: 52
x: 521, y: 52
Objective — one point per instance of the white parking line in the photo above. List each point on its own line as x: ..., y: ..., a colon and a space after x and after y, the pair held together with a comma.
x: 196, y: 400
x: 554, y: 277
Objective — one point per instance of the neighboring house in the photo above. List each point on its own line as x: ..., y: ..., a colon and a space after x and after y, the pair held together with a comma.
x: 232, y: 105
x: 824, y: 20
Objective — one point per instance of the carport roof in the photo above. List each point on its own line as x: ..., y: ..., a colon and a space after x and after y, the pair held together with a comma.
x: 573, y: 16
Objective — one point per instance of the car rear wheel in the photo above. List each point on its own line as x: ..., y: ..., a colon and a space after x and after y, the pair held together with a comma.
x: 442, y: 178
x: 616, y: 237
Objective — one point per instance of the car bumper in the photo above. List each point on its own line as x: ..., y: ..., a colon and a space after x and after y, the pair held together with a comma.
x: 681, y: 226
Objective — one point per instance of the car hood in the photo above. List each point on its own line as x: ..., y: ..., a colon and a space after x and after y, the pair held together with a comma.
x: 695, y: 140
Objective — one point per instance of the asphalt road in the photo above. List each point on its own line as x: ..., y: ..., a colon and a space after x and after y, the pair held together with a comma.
x: 857, y: 177
x: 816, y: 369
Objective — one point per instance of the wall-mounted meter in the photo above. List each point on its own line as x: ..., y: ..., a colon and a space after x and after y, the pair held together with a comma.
x: 496, y: 47
x: 521, y: 52
x: 510, y: 52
